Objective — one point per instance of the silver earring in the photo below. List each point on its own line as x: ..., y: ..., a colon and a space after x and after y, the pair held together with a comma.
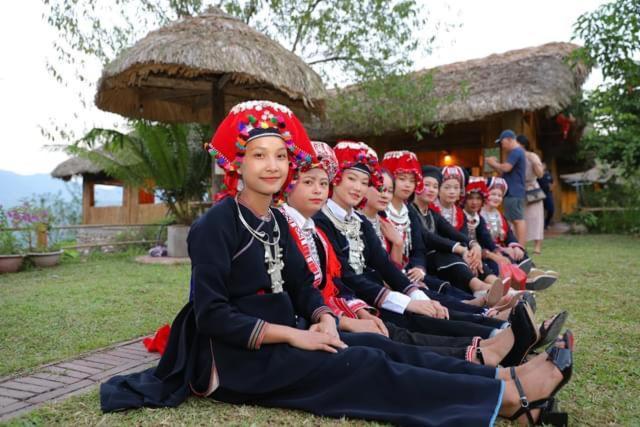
x: 240, y: 185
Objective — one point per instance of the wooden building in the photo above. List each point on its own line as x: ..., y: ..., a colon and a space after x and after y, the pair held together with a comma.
x: 525, y: 90
x: 137, y: 206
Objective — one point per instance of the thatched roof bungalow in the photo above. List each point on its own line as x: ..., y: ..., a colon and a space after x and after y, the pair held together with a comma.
x: 136, y: 207
x: 182, y: 72
x: 524, y: 90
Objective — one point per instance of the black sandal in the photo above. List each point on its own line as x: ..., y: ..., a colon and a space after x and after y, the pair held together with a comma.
x: 530, y: 298
x: 549, y: 334
x: 540, y: 283
x: 525, y: 334
x: 526, y: 265
x: 549, y: 414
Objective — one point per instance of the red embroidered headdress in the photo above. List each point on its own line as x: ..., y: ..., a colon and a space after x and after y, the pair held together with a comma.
x: 326, y: 157
x: 497, y: 182
x: 403, y: 161
x: 359, y: 156
x: 477, y: 185
x: 250, y: 120
x: 457, y: 173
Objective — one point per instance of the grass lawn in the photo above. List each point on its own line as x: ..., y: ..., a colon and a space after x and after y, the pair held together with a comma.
x: 107, y: 301
x: 84, y: 304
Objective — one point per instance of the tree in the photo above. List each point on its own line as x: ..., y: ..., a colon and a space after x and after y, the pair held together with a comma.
x: 162, y: 157
x: 611, y: 37
x: 345, y: 41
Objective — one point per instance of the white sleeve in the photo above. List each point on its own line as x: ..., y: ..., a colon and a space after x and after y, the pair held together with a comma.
x: 396, y: 302
x: 418, y: 295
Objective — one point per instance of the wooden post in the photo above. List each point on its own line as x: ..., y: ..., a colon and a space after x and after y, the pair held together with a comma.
x: 87, y: 199
x: 42, y: 241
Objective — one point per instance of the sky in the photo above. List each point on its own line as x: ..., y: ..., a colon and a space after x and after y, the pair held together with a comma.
x: 31, y: 99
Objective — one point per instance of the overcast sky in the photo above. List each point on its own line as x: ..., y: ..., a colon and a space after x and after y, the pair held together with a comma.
x: 30, y: 97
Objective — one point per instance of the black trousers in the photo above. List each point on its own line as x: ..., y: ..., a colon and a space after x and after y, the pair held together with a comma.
x: 444, y: 346
x: 442, y: 327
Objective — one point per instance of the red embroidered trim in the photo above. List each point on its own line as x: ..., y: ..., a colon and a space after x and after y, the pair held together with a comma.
x: 296, y: 232
x: 459, y: 218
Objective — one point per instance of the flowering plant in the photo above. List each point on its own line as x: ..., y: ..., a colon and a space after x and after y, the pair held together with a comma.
x: 31, y: 220
x: 9, y: 244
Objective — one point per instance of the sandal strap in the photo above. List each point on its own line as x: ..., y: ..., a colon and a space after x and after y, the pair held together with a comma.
x: 524, y: 402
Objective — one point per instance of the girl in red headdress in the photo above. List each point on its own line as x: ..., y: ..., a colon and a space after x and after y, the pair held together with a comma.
x: 505, y: 240
x: 305, y: 196
x: 244, y: 338
x: 367, y: 268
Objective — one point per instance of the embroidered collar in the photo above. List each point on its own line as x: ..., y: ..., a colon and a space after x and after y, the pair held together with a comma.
x: 303, y: 223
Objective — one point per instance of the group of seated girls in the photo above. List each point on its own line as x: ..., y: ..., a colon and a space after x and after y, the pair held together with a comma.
x: 327, y: 281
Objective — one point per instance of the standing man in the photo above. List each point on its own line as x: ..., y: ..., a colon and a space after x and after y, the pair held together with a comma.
x: 513, y: 171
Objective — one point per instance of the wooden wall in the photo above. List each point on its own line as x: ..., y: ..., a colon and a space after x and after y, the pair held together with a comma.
x: 131, y: 211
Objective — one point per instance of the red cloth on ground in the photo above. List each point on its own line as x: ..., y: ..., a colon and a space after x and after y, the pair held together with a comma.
x: 158, y: 342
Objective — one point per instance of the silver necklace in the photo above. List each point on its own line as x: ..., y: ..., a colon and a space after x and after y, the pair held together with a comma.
x: 495, y: 226
x: 375, y: 222
x: 351, y: 230
x: 402, y: 223
x: 272, y: 250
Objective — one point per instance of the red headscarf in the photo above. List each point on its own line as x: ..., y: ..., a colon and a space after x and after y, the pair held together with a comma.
x: 403, y: 161
x: 250, y: 120
x: 477, y: 185
x: 497, y: 182
x: 359, y: 156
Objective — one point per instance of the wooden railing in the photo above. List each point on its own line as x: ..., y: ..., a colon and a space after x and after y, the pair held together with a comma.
x: 42, y: 234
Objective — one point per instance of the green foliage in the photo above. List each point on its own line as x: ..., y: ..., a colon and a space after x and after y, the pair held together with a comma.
x: 615, y: 208
x: 9, y: 243
x: 611, y: 37
x: 394, y: 102
x: 163, y: 157
x: 345, y: 41
x: 588, y: 219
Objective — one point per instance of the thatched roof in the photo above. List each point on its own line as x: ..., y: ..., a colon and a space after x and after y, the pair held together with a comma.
x: 169, y: 75
x: 532, y: 79
x: 75, y: 166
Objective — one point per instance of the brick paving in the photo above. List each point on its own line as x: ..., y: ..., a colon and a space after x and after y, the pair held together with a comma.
x: 60, y: 380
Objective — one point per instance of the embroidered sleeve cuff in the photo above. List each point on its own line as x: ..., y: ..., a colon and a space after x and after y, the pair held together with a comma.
x: 315, y: 316
x: 382, y: 295
x: 257, y: 335
x: 358, y: 304
x: 517, y: 245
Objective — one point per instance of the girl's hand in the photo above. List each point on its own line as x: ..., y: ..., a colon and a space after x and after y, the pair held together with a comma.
x: 391, y: 234
x: 518, y: 253
x: 326, y: 325
x: 416, y: 274
x: 314, y: 341
x: 373, y: 326
x: 364, y: 314
x: 428, y: 308
x: 510, y: 252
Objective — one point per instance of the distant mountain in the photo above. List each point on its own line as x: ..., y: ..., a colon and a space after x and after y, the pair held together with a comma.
x: 14, y: 187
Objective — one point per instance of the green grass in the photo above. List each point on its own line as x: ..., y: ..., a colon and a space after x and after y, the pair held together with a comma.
x: 598, y: 286
x: 84, y: 304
